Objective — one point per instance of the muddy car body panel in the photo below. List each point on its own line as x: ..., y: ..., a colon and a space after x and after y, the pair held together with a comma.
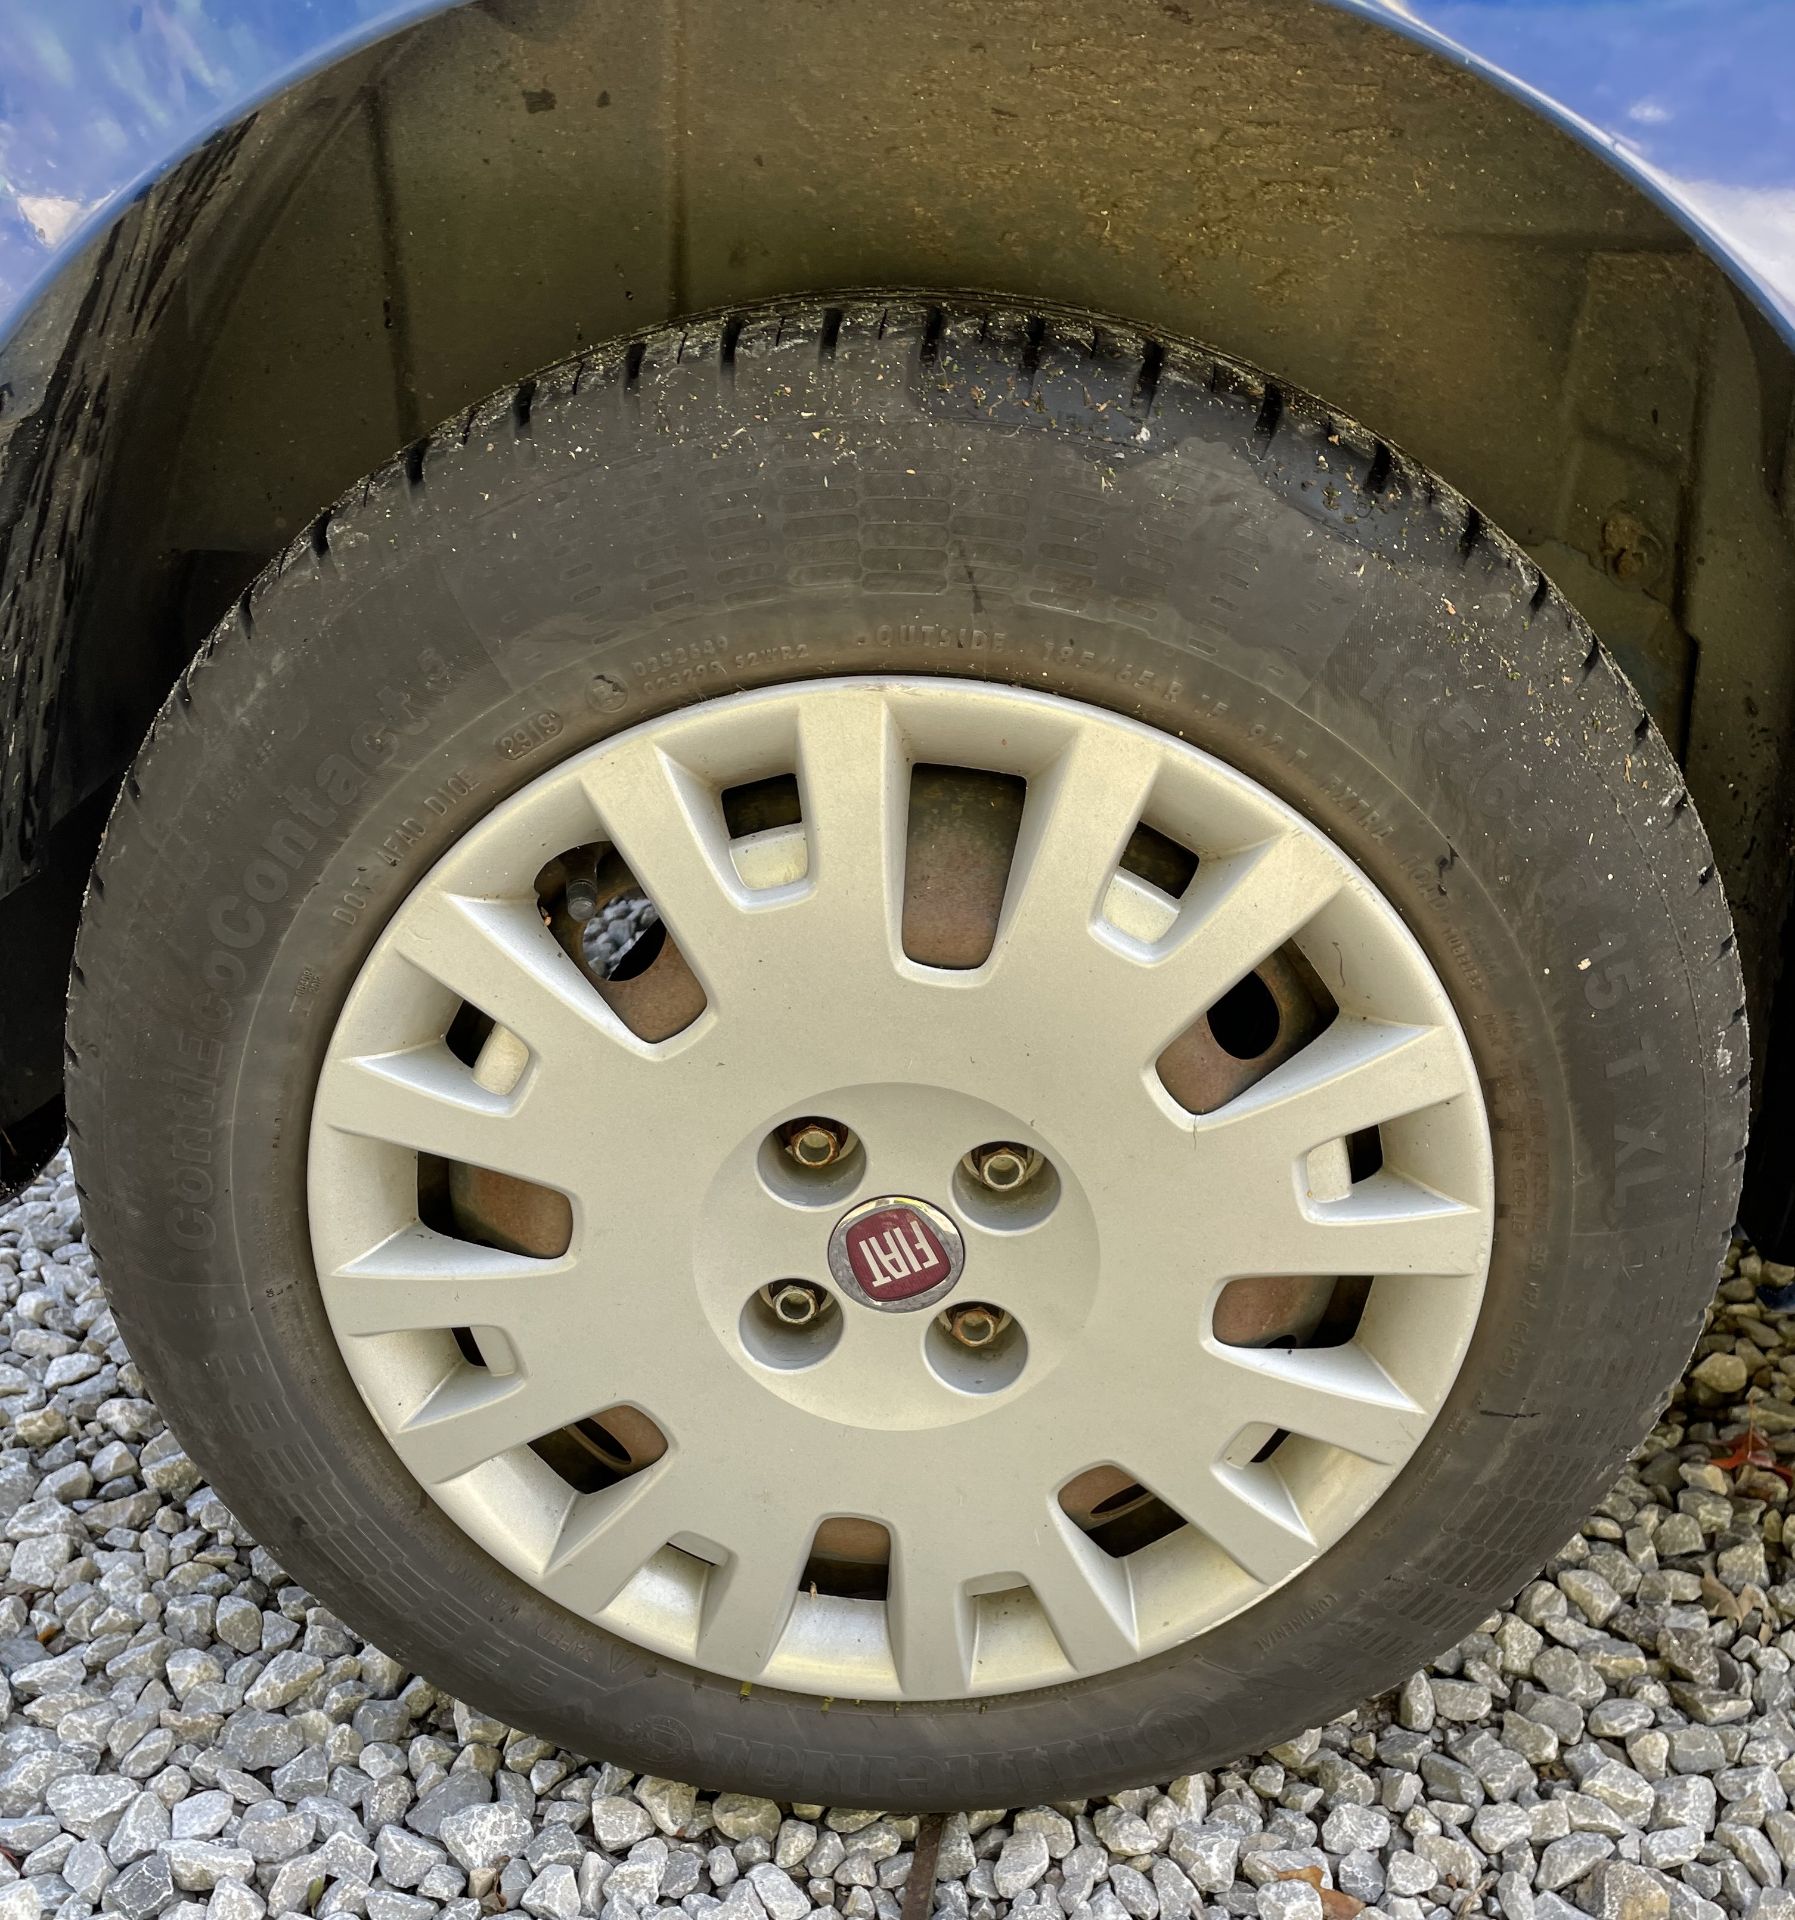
x: 98, y: 100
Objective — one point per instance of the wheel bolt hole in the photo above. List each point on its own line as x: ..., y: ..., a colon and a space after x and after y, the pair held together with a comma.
x: 974, y: 1324
x: 813, y: 1161
x: 1004, y: 1188
x: 816, y: 1143
x: 1002, y: 1166
x: 790, y: 1323
x: 976, y: 1348
x: 796, y: 1303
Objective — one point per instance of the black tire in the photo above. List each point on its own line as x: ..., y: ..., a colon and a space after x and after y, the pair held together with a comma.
x: 1199, y: 548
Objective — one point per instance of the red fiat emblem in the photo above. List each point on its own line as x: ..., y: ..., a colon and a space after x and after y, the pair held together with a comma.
x: 894, y: 1252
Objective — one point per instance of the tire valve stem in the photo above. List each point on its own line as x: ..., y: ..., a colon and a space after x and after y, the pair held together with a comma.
x: 815, y: 1143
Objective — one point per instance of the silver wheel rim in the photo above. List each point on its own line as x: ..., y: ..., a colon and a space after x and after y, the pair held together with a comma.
x: 680, y: 1210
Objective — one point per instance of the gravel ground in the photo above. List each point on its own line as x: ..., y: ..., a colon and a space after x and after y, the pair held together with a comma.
x: 187, y: 1732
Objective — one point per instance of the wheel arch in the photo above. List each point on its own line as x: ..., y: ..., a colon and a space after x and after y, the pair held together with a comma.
x: 397, y: 231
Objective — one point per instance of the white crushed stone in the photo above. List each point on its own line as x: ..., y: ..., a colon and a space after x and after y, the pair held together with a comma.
x: 189, y: 1734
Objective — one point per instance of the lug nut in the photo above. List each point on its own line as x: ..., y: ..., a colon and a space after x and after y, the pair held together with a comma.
x: 796, y: 1303
x: 816, y: 1143
x: 1002, y: 1166
x: 975, y: 1324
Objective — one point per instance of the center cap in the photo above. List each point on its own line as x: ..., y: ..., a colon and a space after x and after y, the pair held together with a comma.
x: 896, y: 1253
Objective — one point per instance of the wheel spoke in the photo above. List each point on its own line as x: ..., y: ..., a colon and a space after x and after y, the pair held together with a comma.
x: 1075, y: 824
x: 1088, y: 1597
x: 1247, y: 1511
x: 1356, y: 1074
x: 1240, y: 909
x: 424, y: 1099
x: 499, y: 955
x: 855, y: 798
x: 1387, y: 1225
x: 670, y: 833
x: 928, y: 1615
x: 1338, y: 1395
x: 607, y: 1537
x: 475, y: 1416
x: 748, y: 1600
x: 420, y: 1280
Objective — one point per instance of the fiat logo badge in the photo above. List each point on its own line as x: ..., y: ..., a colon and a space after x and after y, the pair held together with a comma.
x: 896, y: 1253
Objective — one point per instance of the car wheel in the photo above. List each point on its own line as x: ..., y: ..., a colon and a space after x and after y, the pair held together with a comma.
x: 907, y: 1057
